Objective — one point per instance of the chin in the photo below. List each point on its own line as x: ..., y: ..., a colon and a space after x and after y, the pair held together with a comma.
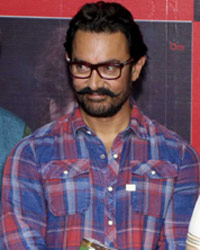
x: 101, y: 111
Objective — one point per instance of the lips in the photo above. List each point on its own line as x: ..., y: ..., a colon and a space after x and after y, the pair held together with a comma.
x: 96, y: 97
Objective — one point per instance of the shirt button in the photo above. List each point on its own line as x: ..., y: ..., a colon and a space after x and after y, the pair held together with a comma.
x: 110, y: 189
x: 102, y: 156
x: 65, y: 172
x: 153, y: 172
x: 115, y: 156
x: 110, y: 222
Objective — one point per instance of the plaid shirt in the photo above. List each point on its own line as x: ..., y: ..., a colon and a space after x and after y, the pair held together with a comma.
x: 60, y: 186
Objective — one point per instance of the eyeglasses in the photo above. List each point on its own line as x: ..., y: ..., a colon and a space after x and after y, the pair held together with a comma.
x: 108, y: 71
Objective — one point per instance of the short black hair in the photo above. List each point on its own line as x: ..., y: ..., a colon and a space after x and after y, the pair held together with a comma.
x: 107, y: 17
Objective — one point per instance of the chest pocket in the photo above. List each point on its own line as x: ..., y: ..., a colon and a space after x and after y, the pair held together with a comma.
x: 67, y: 186
x: 154, y: 182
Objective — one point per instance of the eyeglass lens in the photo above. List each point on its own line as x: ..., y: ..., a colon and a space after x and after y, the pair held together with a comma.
x: 105, y: 71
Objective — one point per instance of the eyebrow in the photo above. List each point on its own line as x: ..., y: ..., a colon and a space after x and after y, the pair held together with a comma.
x: 108, y: 61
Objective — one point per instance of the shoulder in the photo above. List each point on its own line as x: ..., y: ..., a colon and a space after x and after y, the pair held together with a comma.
x: 148, y: 128
x: 163, y: 142
x: 42, y: 144
x: 52, y: 129
x: 173, y: 144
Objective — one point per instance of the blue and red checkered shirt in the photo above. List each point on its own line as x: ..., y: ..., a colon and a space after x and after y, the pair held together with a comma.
x: 60, y: 186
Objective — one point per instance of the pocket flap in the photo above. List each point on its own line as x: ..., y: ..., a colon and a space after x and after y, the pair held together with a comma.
x: 155, y: 169
x: 63, y: 169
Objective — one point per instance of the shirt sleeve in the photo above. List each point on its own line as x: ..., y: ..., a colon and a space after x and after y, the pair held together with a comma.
x: 186, y: 192
x: 23, y: 215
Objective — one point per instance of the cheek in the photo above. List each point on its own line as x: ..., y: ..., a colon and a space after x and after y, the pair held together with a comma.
x: 117, y: 87
x: 124, y: 84
x: 78, y: 84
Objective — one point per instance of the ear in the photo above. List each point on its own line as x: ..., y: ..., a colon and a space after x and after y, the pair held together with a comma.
x: 66, y: 56
x: 136, y: 69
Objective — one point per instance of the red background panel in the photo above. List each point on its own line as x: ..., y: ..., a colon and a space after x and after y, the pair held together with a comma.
x: 196, y: 87
x: 142, y: 9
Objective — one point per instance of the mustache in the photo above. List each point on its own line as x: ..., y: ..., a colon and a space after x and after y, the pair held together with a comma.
x: 100, y: 91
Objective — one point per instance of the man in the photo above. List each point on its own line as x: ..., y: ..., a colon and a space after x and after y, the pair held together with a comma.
x: 105, y: 172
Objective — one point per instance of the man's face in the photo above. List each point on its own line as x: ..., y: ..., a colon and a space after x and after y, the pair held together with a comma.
x: 96, y: 48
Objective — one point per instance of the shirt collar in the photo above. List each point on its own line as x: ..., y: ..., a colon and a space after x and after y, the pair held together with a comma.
x: 76, y: 121
x: 139, y: 123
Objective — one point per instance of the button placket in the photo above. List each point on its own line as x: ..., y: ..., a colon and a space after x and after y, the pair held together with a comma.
x: 110, y: 222
x: 65, y: 172
x: 110, y: 188
x: 115, y: 156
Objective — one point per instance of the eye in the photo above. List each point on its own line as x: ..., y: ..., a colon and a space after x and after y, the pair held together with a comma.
x: 81, y: 67
x: 109, y: 68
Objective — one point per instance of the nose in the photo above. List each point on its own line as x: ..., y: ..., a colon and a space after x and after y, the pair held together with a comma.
x: 95, y: 81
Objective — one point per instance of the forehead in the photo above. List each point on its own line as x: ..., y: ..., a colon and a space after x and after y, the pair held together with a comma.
x: 98, y: 47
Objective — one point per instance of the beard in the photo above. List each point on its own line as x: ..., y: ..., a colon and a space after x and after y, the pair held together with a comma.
x: 107, y: 106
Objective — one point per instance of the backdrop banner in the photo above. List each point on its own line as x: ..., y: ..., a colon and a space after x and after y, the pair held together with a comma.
x: 169, y: 91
